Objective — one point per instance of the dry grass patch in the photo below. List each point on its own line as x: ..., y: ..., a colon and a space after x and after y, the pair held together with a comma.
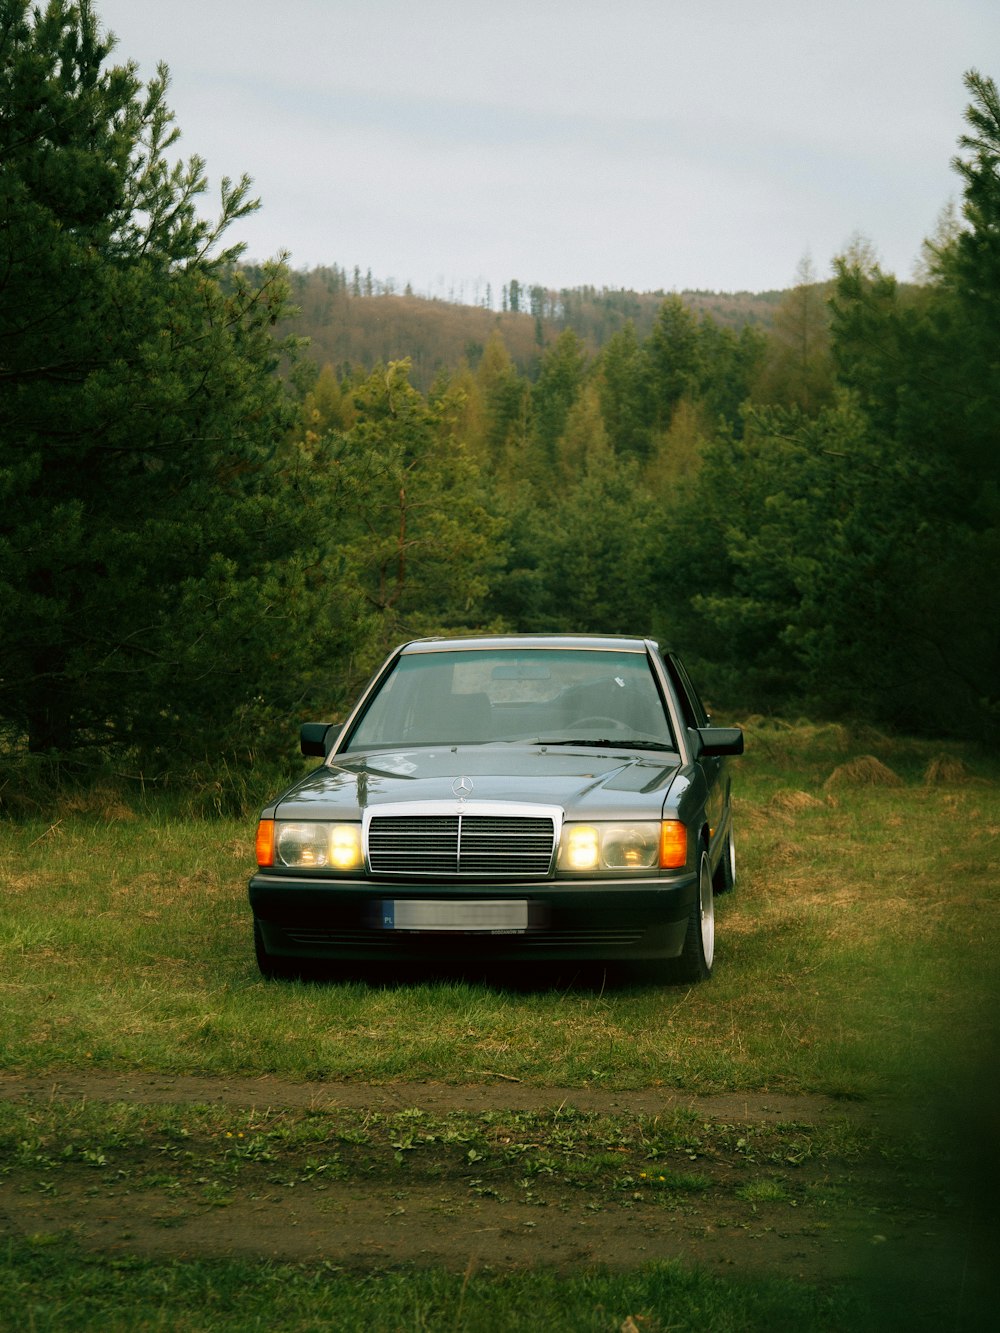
x: 102, y: 802
x: 15, y: 883
x: 865, y: 771
x: 796, y: 800
x: 788, y: 803
x: 948, y: 770
x: 800, y: 734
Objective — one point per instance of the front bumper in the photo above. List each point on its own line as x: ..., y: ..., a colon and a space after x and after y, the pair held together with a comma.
x: 313, y: 918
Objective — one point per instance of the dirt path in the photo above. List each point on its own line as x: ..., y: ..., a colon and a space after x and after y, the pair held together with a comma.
x: 438, y: 1097
x: 824, y: 1220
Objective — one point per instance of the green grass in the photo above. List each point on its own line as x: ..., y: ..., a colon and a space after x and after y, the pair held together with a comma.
x: 863, y: 934
x: 858, y: 957
x: 120, y: 1293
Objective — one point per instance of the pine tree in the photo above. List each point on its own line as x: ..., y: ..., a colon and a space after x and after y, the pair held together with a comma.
x: 415, y: 546
x: 846, y: 559
x: 798, y: 368
x: 153, y: 552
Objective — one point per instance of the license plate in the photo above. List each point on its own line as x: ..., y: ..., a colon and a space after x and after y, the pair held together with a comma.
x: 505, y: 915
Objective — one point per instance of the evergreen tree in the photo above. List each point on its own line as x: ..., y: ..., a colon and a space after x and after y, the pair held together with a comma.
x: 675, y: 358
x: 848, y: 559
x: 799, y: 542
x: 505, y: 398
x: 968, y: 268
x: 626, y: 397
x: 797, y: 369
x: 583, y: 437
x: 730, y: 365
x: 415, y: 545
x: 153, y: 551
x: 559, y: 381
x: 587, y: 560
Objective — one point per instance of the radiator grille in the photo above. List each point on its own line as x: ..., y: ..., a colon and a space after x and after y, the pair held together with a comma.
x: 469, y: 845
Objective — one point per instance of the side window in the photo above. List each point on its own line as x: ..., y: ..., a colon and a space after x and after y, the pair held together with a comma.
x: 691, y: 705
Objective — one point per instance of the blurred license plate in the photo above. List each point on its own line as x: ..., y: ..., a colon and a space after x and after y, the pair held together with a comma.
x: 444, y: 914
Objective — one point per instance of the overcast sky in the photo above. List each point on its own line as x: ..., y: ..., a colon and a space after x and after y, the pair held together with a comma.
x: 650, y: 144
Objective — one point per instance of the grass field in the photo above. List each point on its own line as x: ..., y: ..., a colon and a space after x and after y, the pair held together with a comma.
x: 858, y: 959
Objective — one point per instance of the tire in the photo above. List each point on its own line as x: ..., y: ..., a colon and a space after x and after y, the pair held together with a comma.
x: 724, y: 879
x: 695, y: 960
x: 272, y: 968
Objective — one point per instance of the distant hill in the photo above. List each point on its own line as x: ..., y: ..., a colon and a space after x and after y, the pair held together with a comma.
x: 355, y: 326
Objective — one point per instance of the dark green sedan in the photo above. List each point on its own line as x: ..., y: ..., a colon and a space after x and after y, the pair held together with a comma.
x: 501, y: 800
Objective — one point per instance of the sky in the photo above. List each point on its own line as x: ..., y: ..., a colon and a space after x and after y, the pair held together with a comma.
x: 648, y: 144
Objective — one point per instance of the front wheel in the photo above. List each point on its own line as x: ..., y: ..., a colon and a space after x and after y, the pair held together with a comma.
x: 694, y: 963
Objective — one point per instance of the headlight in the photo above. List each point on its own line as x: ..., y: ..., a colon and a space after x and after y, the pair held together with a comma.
x: 318, y: 846
x: 580, y: 848
x: 645, y: 845
x: 631, y: 846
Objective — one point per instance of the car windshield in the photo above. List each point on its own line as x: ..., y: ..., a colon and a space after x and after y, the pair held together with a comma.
x: 555, y: 696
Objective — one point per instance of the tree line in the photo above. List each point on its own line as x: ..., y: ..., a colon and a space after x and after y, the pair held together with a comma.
x: 354, y: 322
x: 206, y: 535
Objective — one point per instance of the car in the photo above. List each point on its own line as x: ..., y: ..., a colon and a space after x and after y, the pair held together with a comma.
x: 500, y: 800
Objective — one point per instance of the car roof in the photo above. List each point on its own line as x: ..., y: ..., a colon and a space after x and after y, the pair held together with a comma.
x: 503, y: 642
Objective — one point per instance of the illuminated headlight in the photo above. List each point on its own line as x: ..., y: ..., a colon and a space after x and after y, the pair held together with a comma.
x: 579, y: 848
x: 318, y: 846
x: 610, y: 846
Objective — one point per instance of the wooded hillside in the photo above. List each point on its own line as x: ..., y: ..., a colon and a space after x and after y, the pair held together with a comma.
x: 357, y: 323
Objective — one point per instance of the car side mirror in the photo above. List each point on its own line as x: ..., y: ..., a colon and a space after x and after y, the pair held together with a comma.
x: 717, y: 741
x: 317, y: 738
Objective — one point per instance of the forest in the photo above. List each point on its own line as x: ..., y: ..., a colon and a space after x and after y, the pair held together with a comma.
x: 228, y: 490
x: 352, y: 321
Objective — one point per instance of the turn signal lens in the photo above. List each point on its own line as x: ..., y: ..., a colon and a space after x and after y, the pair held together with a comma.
x: 265, y: 842
x: 673, y: 845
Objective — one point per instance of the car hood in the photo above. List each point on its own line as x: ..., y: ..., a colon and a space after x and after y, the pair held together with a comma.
x: 586, y: 782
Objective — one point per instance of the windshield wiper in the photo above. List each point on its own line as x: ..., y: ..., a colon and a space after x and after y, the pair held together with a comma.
x: 629, y: 742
